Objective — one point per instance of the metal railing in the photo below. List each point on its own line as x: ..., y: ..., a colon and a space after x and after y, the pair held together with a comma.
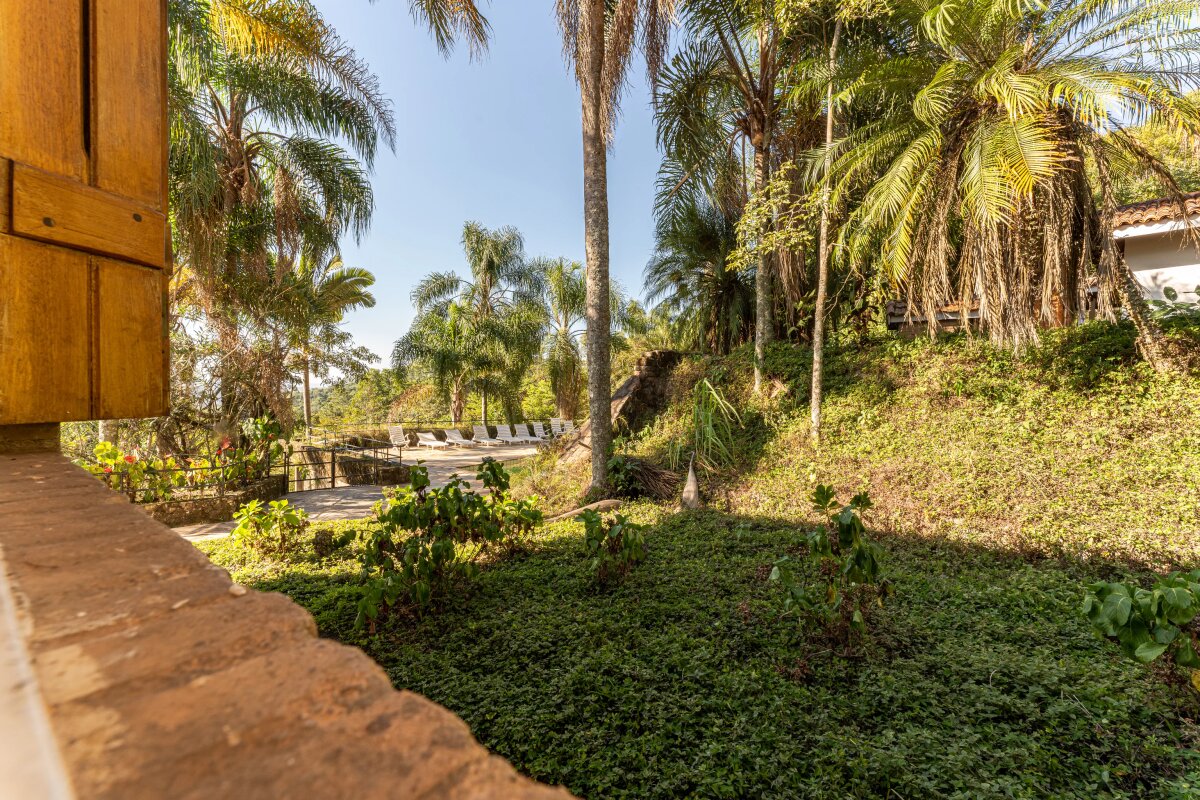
x: 342, y: 458
x: 186, y: 477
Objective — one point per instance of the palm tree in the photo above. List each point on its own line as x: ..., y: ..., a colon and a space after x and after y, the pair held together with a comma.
x: 599, y: 39
x: 258, y: 94
x: 980, y: 187
x: 320, y: 292
x: 503, y: 296
x: 447, y: 20
x: 447, y: 345
x: 727, y: 87
x: 562, y: 347
x: 712, y: 303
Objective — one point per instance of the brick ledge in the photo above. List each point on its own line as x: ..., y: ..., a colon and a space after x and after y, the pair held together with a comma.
x: 163, y: 678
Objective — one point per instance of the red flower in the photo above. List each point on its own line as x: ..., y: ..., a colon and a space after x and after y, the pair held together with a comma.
x: 130, y: 459
x: 107, y: 469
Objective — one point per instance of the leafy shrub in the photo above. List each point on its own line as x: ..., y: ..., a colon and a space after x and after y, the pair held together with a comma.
x: 426, y: 538
x: 275, y: 527
x: 851, y: 579
x: 144, y: 480
x: 1148, y: 623
x: 615, y: 547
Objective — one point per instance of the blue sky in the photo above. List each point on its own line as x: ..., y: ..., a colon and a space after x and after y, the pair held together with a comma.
x: 495, y: 140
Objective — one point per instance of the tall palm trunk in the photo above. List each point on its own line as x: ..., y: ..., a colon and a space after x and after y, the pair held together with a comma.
x: 818, y: 340
x: 483, y: 404
x: 764, y: 299
x: 595, y: 225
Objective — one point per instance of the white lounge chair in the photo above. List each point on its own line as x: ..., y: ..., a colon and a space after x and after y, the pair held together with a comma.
x: 505, y: 435
x: 568, y: 427
x: 454, y: 436
x: 540, y: 432
x: 426, y: 439
x: 556, y: 427
x: 398, y: 436
x: 481, y: 436
x: 522, y: 429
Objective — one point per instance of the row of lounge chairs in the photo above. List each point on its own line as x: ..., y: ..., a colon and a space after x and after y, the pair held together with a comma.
x: 520, y: 433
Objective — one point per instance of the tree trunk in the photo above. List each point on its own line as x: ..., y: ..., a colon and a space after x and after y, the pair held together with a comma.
x: 595, y: 226
x: 109, y: 430
x: 764, y: 298
x: 458, y: 402
x: 483, y: 404
x: 307, y: 398
x: 1150, y: 339
x: 818, y: 340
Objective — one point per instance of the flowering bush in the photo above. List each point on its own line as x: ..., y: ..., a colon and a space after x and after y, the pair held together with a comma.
x: 144, y: 480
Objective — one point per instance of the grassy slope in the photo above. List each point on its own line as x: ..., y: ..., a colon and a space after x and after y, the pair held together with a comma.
x: 981, y: 679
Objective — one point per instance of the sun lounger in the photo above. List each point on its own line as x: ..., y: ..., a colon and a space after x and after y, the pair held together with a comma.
x: 540, y: 432
x: 506, y: 436
x: 454, y: 436
x: 481, y: 436
x: 556, y: 429
x: 522, y: 429
x: 426, y: 439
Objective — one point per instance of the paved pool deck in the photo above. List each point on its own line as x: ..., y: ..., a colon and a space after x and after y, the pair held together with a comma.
x: 355, y: 502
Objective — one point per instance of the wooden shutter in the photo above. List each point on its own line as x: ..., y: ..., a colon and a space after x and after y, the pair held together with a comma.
x: 84, y: 238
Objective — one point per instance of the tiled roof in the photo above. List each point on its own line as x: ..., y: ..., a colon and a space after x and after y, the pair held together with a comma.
x: 1157, y: 210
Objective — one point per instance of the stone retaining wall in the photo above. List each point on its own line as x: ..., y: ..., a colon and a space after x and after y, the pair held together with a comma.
x: 193, y: 511
x: 634, y: 403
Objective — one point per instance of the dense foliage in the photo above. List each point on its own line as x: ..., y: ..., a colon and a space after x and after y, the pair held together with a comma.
x: 1150, y: 622
x: 991, y: 477
x: 425, y: 539
x: 850, y: 577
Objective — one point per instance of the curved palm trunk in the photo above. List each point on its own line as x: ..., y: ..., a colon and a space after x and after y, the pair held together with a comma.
x: 595, y: 224
x: 1150, y: 339
x: 818, y: 340
x: 764, y: 299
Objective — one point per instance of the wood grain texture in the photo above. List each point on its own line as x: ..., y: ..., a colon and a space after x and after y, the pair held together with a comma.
x: 54, y: 209
x: 44, y: 375
x: 129, y: 103
x: 5, y: 196
x: 41, y: 84
x: 130, y: 341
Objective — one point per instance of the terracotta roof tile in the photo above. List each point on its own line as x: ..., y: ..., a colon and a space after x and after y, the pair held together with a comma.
x: 1157, y: 210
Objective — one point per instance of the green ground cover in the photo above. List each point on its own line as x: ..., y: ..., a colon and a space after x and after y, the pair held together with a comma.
x: 1002, y: 485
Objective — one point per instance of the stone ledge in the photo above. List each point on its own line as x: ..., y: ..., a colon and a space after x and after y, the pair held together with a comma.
x: 164, y: 679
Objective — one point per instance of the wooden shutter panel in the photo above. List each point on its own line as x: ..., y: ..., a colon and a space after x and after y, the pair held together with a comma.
x: 84, y: 237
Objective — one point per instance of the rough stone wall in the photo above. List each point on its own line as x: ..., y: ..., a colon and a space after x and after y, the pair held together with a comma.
x: 174, y: 513
x: 634, y: 403
x: 164, y: 679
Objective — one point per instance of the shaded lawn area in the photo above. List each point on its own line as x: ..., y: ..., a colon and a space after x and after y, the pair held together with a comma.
x: 982, y: 678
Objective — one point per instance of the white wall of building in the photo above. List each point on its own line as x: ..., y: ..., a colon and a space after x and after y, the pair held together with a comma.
x: 1159, y: 260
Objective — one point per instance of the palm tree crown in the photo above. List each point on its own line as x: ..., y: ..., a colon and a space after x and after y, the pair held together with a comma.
x: 994, y: 182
